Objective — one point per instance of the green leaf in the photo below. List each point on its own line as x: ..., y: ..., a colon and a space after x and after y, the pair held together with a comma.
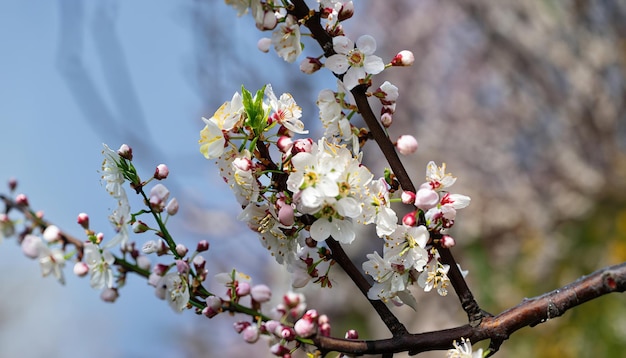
x: 257, y: 118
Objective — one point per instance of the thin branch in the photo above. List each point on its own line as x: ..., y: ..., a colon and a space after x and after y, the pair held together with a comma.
x: 530, y: 312
x: 390, y: 320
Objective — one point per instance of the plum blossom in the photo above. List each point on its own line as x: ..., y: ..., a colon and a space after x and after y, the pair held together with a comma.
x: 286, y: 111
x: 286, y: 39
x: 435, y: 276
x: 463, y: 349
x: 99, y: 262
x: 52, y: 262
x: 228, y: 117
x: 174, y: 289
x: 354, y: 63
x: 112, y: 175
x: 329, y: 183
x: 437, y: 176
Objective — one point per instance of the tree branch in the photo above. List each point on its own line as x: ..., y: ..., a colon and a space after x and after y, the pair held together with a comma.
x: 530, y: 312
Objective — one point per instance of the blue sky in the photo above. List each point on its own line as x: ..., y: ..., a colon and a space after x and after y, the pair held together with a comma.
x: 51, y: 142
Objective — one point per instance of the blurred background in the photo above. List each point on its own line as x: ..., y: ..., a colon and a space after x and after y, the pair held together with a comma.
x: 525, y: 102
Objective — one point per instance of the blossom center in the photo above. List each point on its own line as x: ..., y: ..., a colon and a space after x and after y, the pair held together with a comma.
x: 356, y: 58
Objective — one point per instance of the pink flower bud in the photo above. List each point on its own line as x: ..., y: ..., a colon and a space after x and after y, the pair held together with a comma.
x: 292, y: 299
x: 160, y: 269
x: 240, y: 326
x: 288, y: 333
x: 213, y: 306
x: 21, y: 199
x: 284, y: 144
x: 403, y: 58
x: 143, y: 262
x: 202, y: 246
x: 140, y: 227
x: 409, y: 219
x: 125, y: 152
x: 426, y: 198
x: 267, y: 22
x: 408, y: 197
x: 352, y: 334
x: 286, y: 215
x: 324, y: 325
x: 158, y: 196
x: 302, y: 145
x: 12, y: 184
x: 81, y: 269
x: 406, y: 144
x: 161, y: 172
x: 31, y: 246
x: 279, y: 350
x: 386, y: 119
x: 261, y: 293
x: 264, y: 44
x: 51, y: 233
x: 99, y: 238
x: 109, y: 295
x: 311, y: 315
x: 304, y: 327
x: 172, y: 207
x: 182, y: 267
x: 181, y: 250
x: 251, y: 333
x: 83, y: 220
x: 243, y: 289
x: 199, y: 262
x: 310, y: 65
x: 346, y: 11
x: 447, y: 241
x: 273, y: 327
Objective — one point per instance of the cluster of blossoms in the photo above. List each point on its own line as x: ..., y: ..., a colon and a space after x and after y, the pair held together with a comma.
x: 318, y: 190
x: 296, y: 193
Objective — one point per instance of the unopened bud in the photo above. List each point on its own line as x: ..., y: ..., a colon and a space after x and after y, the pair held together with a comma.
x: 143, y: 262
x: 202, y: 246
x: 408, y: 197
x: 109, y: 295
x: 409, y: 219
x: 81, y: 269
x: 302, y: 145
x: 51, y: 233
x: 250, y: 334
x: 140, y: 227
x: 403, y: 58
x: 284, y: 144
x: 240, y: 326
x: 447, y: 241
x: 161, y: 172
x: 386, y: 119
x: 310, y: 65
x: 261, y: 293
x: 172, y: 207
x: 21, y: 199
x: 182, y: 267
x: 346, y: 12
x: 181, y: 250
x: 304, y: 327
x: 352, y: 334
x: 125, y: 152
x: 264, y: 44
x: 243, y: 289
x: 406, y: 144
x: 12, y: 184
x: 83, y: 220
